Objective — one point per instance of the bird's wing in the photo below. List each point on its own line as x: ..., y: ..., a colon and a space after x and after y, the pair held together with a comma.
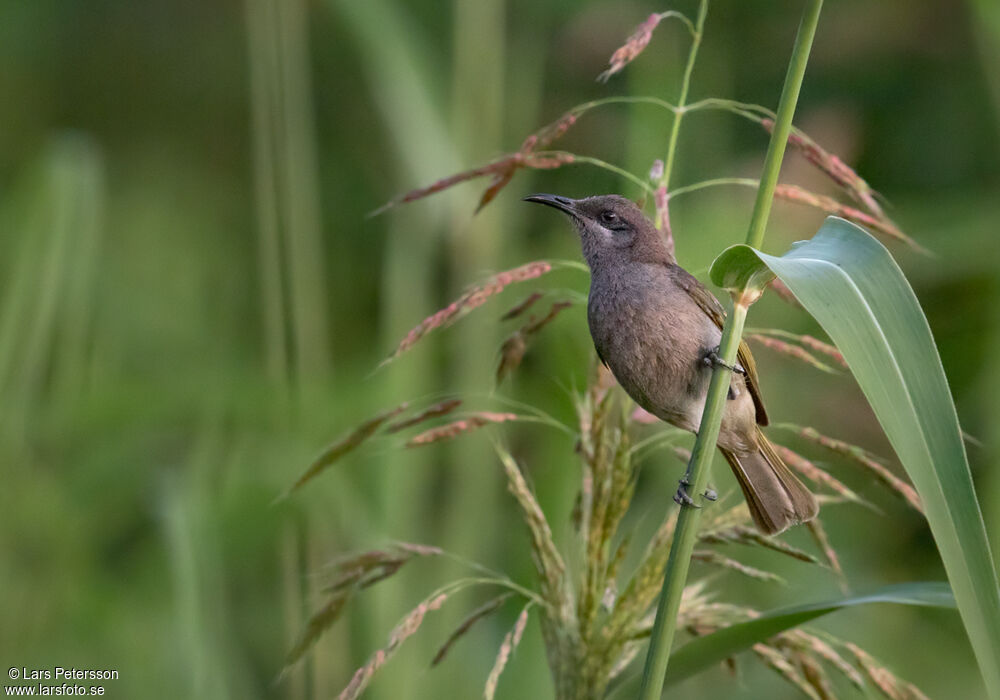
x: 713, y: 309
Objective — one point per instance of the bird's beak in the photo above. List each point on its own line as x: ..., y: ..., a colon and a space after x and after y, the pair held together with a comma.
x: 563, y: 204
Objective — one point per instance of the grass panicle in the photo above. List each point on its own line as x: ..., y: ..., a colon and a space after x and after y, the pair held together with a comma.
x: 474, y: 297
x: 319, y: 622
x: 503, y: 169
x: 795, y: 351
x: 713, y: 558
x: 816, y: 677
x: 338, y: 449
x: 473, y: 421
x: 779, y: 662
x: 442, y: 408
x: 516, y: 345
x: 863, y: 458
x: 405, y: 629
x: 480, y: 613
x: 510, y: 642
x: 548, y: 561
x: 746, y: 535
x: 511, y: 354
x: 887, y: 682
x: 824, y: 348
x: 522, y: 306
x: 822, y: 541
x: 783, y: 292
x: 814, y: 473
x: 638, y: 41
x: 825, y: 651
x: 800, y: 195
x: 836, y: 169
x: 807, y: 341
x: 350, y: 575
x: 662, y: 200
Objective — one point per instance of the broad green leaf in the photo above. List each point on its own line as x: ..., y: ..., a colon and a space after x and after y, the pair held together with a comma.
x: 740, y: 269
x: 704, y: 652
x: 851, y: 285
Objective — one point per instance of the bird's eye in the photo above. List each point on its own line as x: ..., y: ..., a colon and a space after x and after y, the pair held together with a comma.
x: 609, y: 217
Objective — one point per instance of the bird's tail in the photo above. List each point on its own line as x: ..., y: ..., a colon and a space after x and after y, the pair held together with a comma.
x: 775, y: 496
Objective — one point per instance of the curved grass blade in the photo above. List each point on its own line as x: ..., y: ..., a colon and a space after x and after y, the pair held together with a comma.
x: 704, y: 652
x: 851, y: 285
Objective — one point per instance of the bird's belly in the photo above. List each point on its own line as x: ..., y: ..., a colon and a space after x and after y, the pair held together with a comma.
x: 656, y: 351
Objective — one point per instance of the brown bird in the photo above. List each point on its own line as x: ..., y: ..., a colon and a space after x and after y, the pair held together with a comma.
x: 658, y: 330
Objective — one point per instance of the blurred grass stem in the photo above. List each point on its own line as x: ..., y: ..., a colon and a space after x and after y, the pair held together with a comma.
x: 287, y: 194
x: 675, y: 129
x: 289, y: 250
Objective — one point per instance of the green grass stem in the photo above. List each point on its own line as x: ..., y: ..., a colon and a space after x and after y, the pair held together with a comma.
x: 675, y: 575
x: 682, y: 98
x: 783, y: 123
x: 687, y: 521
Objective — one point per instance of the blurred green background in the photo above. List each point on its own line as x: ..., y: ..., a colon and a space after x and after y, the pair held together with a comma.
x: 192, y: 303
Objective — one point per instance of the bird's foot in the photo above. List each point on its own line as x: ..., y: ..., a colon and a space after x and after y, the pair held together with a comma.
x: 710, y: 494
x: 713, y: 360
x: 682, y: 498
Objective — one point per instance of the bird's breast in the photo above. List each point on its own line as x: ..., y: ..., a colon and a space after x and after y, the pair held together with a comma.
x: 652, y: 336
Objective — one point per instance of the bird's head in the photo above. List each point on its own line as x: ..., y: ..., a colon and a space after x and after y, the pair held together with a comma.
x: 613, y: 230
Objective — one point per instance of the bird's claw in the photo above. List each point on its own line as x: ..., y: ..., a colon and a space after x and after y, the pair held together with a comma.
x: 682, y: 498
x: 713, y: 360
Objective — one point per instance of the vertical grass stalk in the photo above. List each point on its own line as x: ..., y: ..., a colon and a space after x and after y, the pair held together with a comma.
x: 260, y: 54
x: 287, y: 195
x: 783, y: 124
x: 289, y: 248
x: 675, y: 574
x: 299, y: 182
x: 676, y: 570
x: 682, y: 98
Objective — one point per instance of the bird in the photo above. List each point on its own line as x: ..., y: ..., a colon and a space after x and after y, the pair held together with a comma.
x: 658, y: 330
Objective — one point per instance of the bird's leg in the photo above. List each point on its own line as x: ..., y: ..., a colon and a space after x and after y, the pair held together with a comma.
x: 713, y: 360
x: 682, y: 498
